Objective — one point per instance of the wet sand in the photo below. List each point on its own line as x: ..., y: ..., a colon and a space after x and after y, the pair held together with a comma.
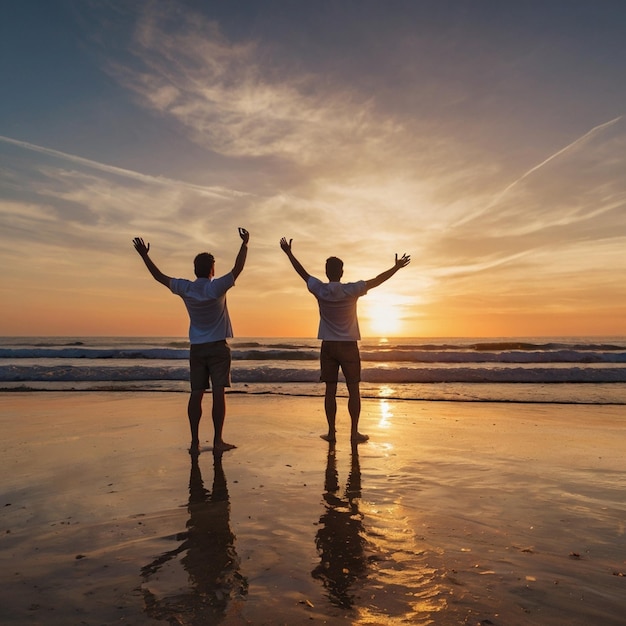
x: 453, y: 513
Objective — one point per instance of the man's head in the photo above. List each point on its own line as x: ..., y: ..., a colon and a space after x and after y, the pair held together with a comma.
x: 334, y: 268
x: 203, y: 265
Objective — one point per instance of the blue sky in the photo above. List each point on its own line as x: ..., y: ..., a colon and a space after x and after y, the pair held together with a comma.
x: 485, y: 138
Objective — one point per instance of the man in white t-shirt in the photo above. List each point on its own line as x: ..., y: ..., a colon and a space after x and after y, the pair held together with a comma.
x: 209, y: 327
x: 339, y: 332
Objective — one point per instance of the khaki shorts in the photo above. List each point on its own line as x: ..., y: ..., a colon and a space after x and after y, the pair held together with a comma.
x: 209, y: 363
x: 344, y: 354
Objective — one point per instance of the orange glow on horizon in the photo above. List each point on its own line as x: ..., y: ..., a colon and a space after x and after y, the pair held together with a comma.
x: 151, y: 311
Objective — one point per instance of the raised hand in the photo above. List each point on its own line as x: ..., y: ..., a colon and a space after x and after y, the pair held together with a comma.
x: 140, y: 246
x: 285, y: 245
x: 244, y: 234
x: 403, y: 261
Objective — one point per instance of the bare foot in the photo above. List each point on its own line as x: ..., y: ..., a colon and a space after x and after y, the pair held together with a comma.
x: 359, y: 438
x: 330, y: 437
x: 222, y: 446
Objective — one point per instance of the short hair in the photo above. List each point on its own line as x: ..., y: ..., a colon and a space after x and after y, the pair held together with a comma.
x: 334, y: 268
x: 203, y: 264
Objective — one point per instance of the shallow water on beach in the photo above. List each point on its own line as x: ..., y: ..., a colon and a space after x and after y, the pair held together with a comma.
x: 451, y: 514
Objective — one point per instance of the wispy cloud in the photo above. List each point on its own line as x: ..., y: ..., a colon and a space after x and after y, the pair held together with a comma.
x: 55, y: 202
x: 576, y: 195
x: 217, y: 192
x: 571, y: 146
x: 581, y: 146
x: 230, y: 99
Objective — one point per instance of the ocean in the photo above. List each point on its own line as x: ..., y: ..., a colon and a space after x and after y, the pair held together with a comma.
x: 580, y: 370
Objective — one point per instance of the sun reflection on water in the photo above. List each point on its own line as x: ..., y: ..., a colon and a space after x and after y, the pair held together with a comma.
x: 386, y: 391
x: 385, y: 414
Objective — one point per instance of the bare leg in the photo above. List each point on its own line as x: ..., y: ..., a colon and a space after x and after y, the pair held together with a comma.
x: 194, y: 411
x: 330, y: 406
x: 354, y: 408
x: 219, y: 414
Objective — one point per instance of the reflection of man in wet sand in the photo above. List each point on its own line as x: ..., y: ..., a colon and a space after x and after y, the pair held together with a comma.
x: 210, y: 559
x: 209, y: 355
x: 339, y: 540
x: 339, y: 332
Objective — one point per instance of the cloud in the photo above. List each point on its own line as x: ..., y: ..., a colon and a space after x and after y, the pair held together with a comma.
x: 583, y: 172
x: 218, y: 192
x: 576, y: 195
x: 229, y: 98
x: 59, y: 202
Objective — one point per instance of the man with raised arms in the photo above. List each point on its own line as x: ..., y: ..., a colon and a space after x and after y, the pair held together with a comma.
x: 209, y: 327
x: 339, y: 332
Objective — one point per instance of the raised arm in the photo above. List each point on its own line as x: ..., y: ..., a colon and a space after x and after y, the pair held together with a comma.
x: 286, y: 247
x: 142, y: 250
x: 240, y: 261
x: 401, y: 262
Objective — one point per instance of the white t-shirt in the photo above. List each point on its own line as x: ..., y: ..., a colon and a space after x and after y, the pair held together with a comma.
x: 337, y: 304
x: 205, y: 300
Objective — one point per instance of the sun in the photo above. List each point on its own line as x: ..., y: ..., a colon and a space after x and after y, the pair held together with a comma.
x: 381, y: 318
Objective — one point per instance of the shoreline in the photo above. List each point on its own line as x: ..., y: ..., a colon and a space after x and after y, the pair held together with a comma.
x: 341, y: 393
x: 455, y: 512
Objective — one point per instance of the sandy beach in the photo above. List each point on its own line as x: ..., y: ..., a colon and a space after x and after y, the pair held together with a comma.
x: 453, y: 513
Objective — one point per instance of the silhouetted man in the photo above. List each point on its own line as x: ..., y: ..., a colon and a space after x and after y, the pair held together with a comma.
x: 209, y: 327
x: 339, y: 332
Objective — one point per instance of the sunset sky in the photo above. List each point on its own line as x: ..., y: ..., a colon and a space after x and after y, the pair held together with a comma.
x: 485, y: 138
